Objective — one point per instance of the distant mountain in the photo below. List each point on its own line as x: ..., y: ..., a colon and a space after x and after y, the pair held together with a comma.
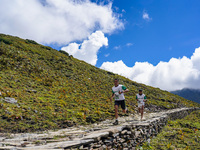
x: 190, y: 94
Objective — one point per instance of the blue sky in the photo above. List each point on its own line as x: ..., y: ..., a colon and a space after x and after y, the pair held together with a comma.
x: 173, y: 31
x: 155, y: 42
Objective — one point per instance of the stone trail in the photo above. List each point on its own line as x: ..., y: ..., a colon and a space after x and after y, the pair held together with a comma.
x: 129, y: 133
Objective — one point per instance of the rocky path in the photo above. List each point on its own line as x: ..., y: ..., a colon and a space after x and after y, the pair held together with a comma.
x: 81, y: 135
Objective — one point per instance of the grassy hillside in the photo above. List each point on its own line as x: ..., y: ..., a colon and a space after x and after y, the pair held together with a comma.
x: 182, y: 134
x: 54, y: 90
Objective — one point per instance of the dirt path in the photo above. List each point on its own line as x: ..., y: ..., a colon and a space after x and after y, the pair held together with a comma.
x: 49, y: 139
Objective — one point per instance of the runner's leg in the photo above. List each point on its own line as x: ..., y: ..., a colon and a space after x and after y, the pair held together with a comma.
x: 123, y: 105
x: 116, y: 111
x: 142, y: 111
x: 138, y: 109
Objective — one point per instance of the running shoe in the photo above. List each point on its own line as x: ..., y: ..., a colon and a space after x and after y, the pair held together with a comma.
x: 116, y: 122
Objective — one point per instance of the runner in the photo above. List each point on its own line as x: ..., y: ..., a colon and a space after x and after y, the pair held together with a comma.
x: 141, y: 98
x: 118, y: 92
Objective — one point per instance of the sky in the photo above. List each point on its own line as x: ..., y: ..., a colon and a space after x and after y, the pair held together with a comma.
x: 155, y: 42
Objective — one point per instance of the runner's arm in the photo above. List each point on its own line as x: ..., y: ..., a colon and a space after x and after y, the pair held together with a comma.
x: 112, y: 97
x: 127, y: 90
x: 124, y: 90
x: 145, y: 99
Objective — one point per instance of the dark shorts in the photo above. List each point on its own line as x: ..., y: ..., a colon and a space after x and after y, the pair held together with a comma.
x: 122, y: 103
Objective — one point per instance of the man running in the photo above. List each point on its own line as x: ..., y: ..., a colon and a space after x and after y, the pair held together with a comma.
x: 141, y: 98
x: 118, y: 92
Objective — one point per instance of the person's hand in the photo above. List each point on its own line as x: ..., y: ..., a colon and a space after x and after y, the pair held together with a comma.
x: 120, y: 92
x: 111, y: 99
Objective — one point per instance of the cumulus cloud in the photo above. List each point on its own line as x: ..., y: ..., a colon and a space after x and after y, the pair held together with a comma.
x: 176, y: 74
x: 56, y: 21
x: 88, y: 50
x: 145, y: 16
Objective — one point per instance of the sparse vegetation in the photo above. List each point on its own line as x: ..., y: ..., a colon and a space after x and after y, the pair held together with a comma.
x: 182, y: 134
x: 55, y: 90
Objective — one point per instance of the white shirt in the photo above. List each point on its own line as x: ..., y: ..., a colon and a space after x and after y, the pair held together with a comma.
x: 116, y: 90
x: 141, y: 98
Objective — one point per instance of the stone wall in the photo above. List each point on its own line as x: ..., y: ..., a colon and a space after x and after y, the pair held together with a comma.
x: 129, y: 135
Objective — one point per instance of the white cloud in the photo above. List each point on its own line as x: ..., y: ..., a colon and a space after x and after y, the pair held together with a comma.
x: 122, y: 46
x: 129, y: 44
x: 145, y: 16
x: 175, y: 74
x: 106, y: 55
x: 88, y: 50
x: 56, y: 21
x: 124, y: 11
x: 117, y: 47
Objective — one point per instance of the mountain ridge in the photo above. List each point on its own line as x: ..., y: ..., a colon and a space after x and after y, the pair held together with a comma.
x: 189, y: 93
x: 54, y: 90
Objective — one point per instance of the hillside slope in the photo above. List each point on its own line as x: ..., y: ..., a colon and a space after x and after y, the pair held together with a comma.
x: 54, y: 90
x: 191, y: 94
x: 179, y: 134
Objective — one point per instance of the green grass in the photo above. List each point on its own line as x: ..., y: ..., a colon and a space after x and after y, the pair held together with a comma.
x: 69, y: 91
x: 182, y: 134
